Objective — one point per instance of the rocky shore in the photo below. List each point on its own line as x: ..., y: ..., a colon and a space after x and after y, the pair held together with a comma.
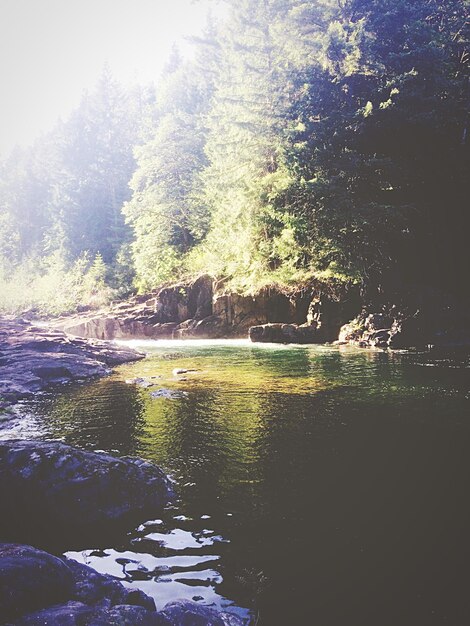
x: 204, y: 309
x: 33, y: 358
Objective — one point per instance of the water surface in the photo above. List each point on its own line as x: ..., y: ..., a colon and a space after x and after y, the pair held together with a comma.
x: 317, y: 485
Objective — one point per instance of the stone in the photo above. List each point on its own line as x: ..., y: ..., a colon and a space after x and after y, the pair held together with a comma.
x: 90, y: 587
x: 79, y: 614
x: 328, y: 315
x: 169, y: 394
x: 186, y: 613
x: 38, y: 589
x: 31, y: 579
x: 34, y: 358
x: 212, y: 327
x: 283, y: 333
x: 61, y: 494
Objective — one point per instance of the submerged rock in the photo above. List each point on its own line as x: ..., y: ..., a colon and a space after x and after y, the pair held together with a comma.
x: 169, y: 394
x: 57, y: 493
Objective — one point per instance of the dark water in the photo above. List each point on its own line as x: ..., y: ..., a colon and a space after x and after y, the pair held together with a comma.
x: 318, y: 486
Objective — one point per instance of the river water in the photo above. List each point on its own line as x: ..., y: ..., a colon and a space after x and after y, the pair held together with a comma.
x: 317, y: 485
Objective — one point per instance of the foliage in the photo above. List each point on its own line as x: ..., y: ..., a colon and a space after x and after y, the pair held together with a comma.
x: 51, y: 286
x: 304, y: 141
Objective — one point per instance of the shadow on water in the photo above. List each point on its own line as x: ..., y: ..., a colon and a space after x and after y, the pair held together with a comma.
x: 316, y: 485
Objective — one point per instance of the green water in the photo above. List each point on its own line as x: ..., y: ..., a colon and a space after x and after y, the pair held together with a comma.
x: 317, y: 485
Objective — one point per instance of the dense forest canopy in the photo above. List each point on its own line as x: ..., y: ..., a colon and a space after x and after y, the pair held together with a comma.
x: 304, y: 141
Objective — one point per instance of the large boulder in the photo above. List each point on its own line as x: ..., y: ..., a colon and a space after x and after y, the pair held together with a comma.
x: 31, y: 579
x: 186, y: 301
x: 39, y: 589
x: 56, y: 493
x: 284, y: 333
x: 384, y: 330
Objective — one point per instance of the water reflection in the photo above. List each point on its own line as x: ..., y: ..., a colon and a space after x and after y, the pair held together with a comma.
x: 317, y: 485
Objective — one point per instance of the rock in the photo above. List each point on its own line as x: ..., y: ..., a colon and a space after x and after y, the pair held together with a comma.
x: 181, y: 370
x: 283, y: 333
x: 61, y: 494
x: 31, y: 579
x: 408, y: 332
x: 200, y: 296
x: 198, y: 309
x: 383, y: 330
x: 185, y: 613
x: 140, y: 382
x: 79, y: 614
x: 34, y: 358
x: 170, y: 394
x: 212, y: 327
x: 90, y: 587
x: 328, y: 315
x: 37, y: 589
x: 185, y: 301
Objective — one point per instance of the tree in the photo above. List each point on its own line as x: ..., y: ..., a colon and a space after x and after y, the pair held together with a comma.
x: 166, y: 212
x: 94, y: 162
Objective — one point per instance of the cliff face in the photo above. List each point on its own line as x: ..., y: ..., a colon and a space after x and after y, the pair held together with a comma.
x: 204, y: 309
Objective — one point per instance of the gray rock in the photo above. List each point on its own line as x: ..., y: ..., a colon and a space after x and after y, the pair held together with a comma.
x: 284, y: 333
x: 169, y: 394
x: 33, y: 358
x: 38, y: 589
x: 185, y: 613
x: 31, y: 579
x: 79, y: 614
x: 58, y: 493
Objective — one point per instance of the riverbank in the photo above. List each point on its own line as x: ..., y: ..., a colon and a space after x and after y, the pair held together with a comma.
x: 317, y: 314
x: 35, y: 357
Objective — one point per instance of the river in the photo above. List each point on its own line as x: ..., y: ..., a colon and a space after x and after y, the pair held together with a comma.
x: 317, y: 485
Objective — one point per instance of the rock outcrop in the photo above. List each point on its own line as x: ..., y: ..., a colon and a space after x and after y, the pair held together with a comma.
x: 202, y: 309
x: 205, y: 309
x: 34, y: 357
x: 284, y: 333
x: 38, y: 589
x: 62, y: 495
x: 436, y: 324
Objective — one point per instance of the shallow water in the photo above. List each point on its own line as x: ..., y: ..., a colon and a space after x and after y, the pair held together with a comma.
x: 317, y: 485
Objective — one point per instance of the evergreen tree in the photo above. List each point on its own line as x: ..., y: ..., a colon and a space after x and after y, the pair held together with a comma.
x: 166, y: 211
x: 94, y: 162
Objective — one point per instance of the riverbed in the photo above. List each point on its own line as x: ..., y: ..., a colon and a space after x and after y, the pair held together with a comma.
x: 317, y: 484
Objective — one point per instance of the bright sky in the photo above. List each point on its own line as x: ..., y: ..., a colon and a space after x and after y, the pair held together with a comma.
x: 52, y: 50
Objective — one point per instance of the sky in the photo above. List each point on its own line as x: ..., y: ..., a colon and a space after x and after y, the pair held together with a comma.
x: 53, y: 50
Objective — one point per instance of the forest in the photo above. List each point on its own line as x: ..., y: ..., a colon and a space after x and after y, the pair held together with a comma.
x: 304, y: 142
